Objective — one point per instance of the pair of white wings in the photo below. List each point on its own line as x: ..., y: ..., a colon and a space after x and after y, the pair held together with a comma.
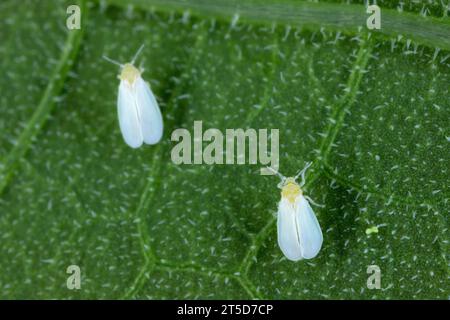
x: 140, y: 119
x: 299, y: 233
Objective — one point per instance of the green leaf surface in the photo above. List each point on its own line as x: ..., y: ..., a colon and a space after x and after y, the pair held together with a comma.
x: 371, y: 110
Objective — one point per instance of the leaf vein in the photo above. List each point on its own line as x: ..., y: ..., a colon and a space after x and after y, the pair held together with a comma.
x: 45, y: 107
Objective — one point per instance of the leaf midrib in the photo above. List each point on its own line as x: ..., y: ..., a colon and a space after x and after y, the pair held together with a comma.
x: 430, y: 31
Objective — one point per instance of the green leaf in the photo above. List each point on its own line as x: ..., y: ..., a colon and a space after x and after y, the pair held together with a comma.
x: 370, y: 109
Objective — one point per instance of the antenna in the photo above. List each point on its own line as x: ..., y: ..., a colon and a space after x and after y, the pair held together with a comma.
x: 137, y: 54
x: 277, y: 173
x: 112, y: 61
x: 303, y: 172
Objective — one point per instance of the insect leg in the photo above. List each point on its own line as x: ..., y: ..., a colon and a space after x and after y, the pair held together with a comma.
x: 314, y: 203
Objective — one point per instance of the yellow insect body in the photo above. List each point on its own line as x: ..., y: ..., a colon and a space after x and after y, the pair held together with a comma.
x: 291, y: 190
x: 129, y: 73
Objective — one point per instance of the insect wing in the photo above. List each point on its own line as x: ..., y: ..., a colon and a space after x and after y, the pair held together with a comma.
x: 310, y: 234
x: 151, y: 121
x: 128, y: 116
x: 288, y: 239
